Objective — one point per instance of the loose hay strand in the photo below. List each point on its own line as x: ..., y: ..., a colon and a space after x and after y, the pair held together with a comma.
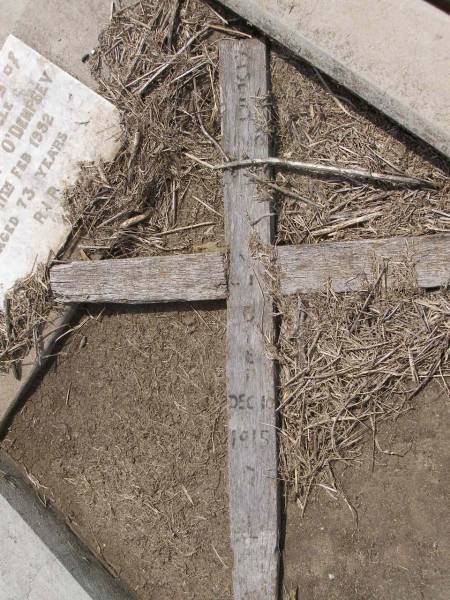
x: 312, y: 127
x: 21, y: 323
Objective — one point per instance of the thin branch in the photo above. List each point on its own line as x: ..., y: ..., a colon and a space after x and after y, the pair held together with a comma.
x: 344, y: 224
x: 282, y: 190
x: 330, y: 170
x: 233, y: 32
x: 200, y: 161
x: 186, y: 228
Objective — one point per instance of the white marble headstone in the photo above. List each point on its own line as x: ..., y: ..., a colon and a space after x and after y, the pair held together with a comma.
x: 49, y: 123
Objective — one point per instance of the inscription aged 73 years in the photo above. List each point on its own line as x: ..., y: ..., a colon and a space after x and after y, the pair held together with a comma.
x: 49, y: 123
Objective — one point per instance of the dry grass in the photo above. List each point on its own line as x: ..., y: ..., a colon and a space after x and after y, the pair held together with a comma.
x: 319, y: 121
x: 169, y: 104
x: 159, y: 67
x: 349, y: 362
x: 151, y: 199
x: 21, y: 323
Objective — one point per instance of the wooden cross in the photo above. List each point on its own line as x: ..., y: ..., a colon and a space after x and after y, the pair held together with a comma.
x: 238, y: 277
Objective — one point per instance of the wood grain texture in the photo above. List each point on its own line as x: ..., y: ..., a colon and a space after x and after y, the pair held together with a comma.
x: 349, y: 265
x: 306, y: 269
x: 182, y: 277
x: 250, y: 373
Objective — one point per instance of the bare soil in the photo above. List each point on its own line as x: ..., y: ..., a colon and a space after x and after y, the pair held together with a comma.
x: 401, y: 547
x: 126, y: 437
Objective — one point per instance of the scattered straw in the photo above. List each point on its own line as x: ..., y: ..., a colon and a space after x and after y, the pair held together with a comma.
x: 160, y: 69
x: 21, y: 323
x: 318, y: 121
x: 348, y: 362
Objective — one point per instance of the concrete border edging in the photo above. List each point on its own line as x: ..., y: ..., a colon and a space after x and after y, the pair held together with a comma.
x: 82, y: 570
x: 287, y: 34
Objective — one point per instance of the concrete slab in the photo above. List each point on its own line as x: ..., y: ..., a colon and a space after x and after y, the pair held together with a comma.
x: 40, y: 559
x: 41, y: 575
x: 60, y: 30
x: 49, y: 123
x: 11, y: 11
x: 64, y: 31
x: 395, y: 55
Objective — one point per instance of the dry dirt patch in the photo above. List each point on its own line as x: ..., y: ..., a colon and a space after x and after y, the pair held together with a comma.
x: 401, y: 550
x: 126, y: 436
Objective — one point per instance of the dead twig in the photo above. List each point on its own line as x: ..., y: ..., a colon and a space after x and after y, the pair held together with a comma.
x: 282, y: 190
x: 202, y: 127
x: 134, y: 220
x: 344, y: 224
x: 432, y: 371
x: 310, y: 168
x: 186, y: 228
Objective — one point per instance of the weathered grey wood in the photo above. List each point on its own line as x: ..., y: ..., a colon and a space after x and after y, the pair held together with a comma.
x: 181, y: 277
x: 349, y: 265
x: 250, y: 372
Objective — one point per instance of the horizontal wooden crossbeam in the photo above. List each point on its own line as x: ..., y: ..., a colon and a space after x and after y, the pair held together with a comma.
x: 175, y: 278
x: 349, y: 266
x: 190, y: 277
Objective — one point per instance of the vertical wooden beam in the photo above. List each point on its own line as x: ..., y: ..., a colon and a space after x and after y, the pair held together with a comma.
x: 250, y: 373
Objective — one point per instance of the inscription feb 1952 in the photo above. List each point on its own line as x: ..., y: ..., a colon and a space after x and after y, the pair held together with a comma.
x: 49, y: 123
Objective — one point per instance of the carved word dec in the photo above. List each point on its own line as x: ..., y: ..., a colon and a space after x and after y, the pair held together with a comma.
x: 49, y: 123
